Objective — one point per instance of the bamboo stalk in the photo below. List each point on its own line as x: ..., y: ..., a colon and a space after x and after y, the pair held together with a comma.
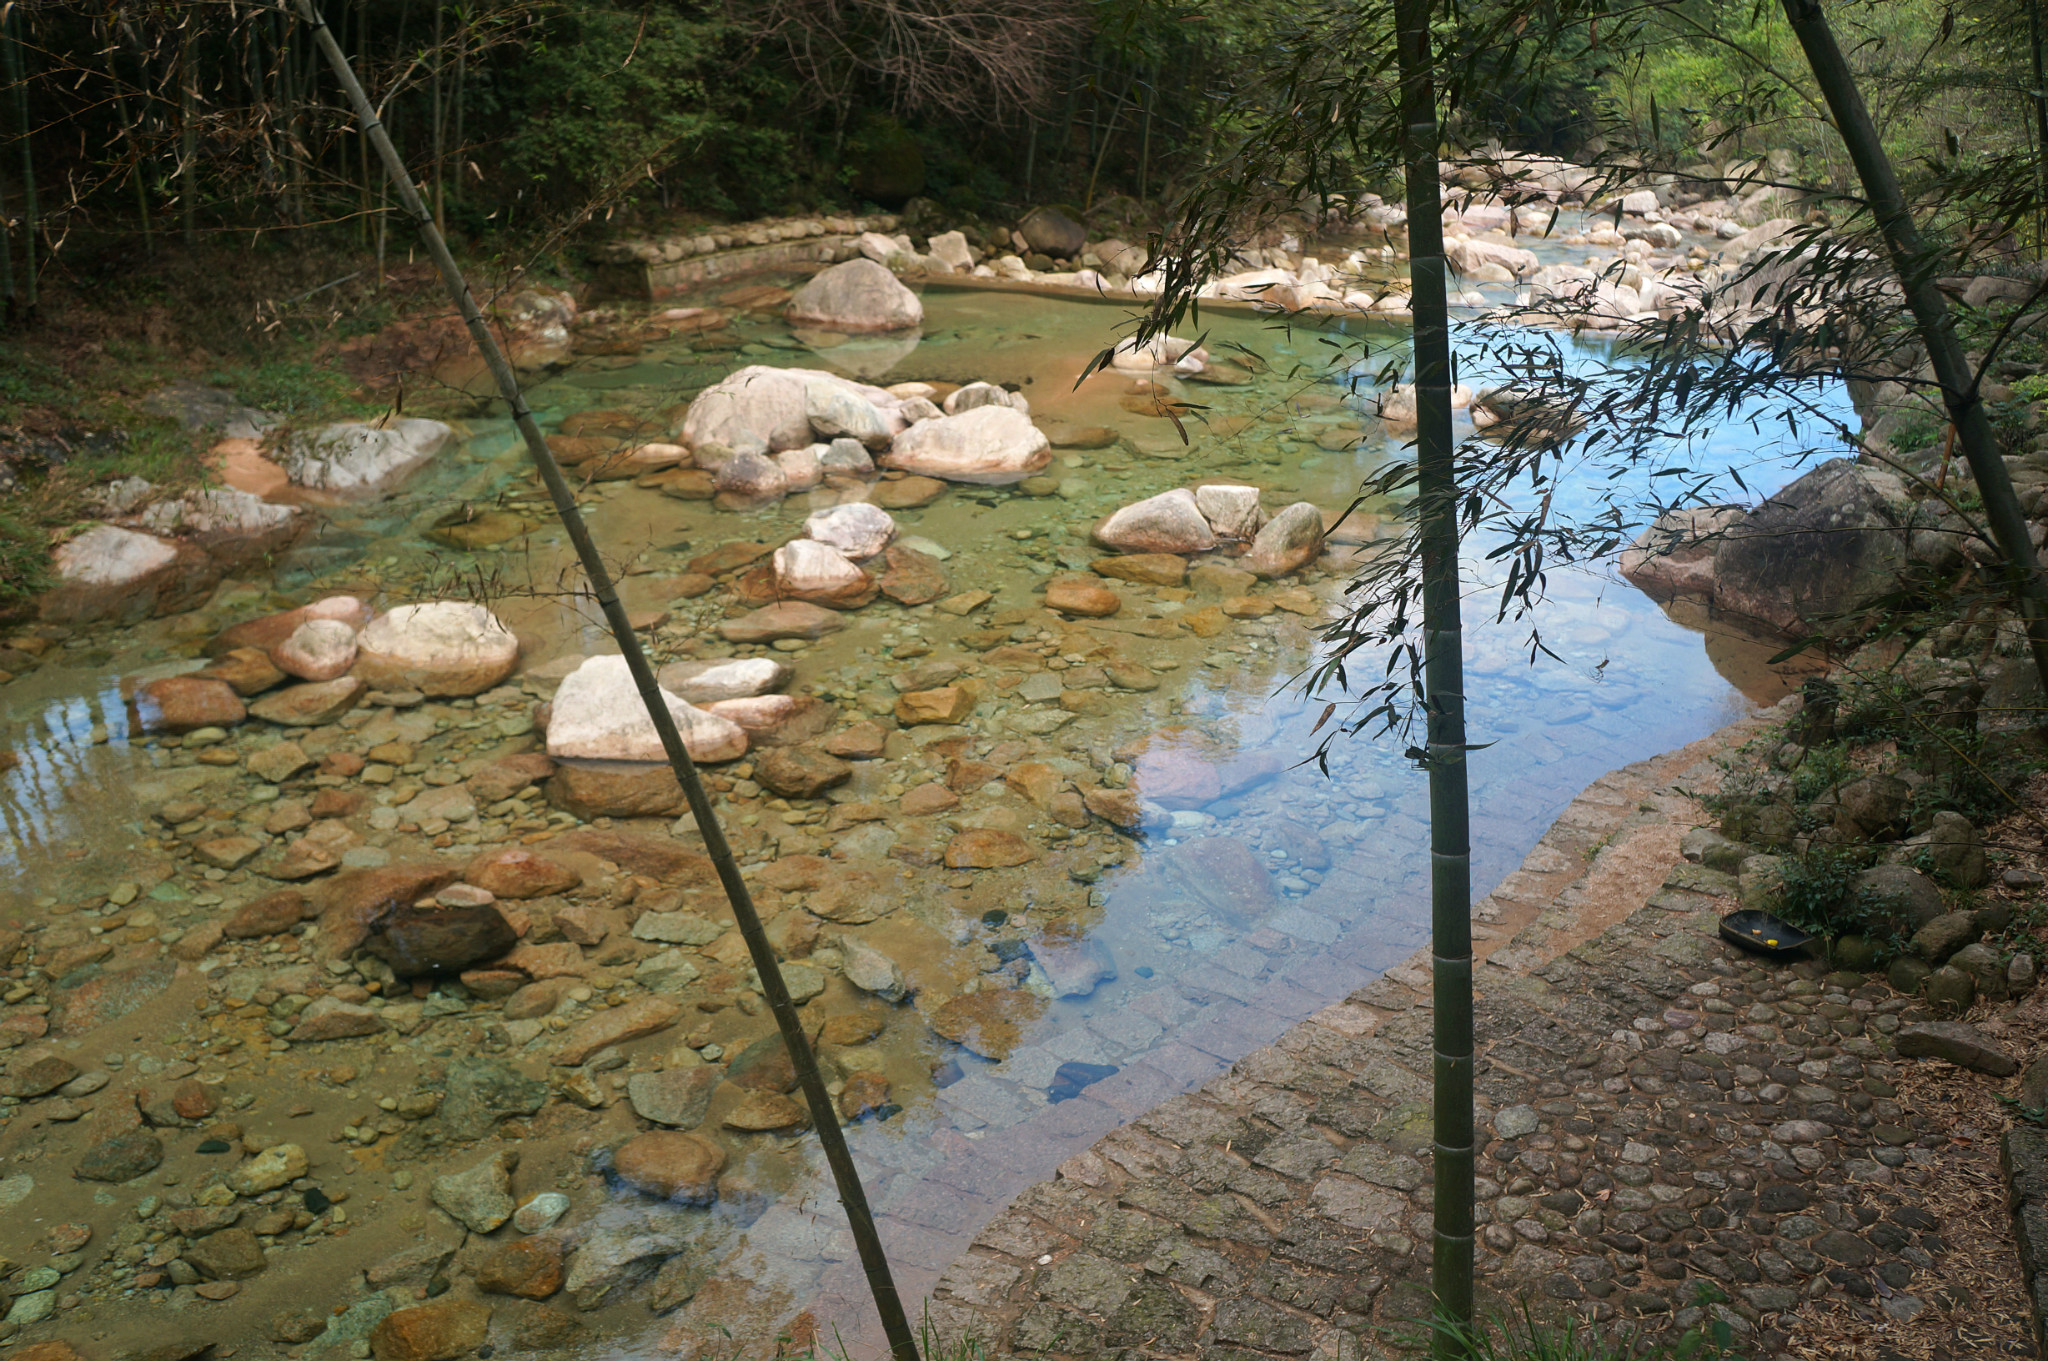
x: 188, y: 143
x: 1914, y: 264
x: 7, y: 299
x: 824, y: 1117
x: 17, y: 77
x: 1444, y: 692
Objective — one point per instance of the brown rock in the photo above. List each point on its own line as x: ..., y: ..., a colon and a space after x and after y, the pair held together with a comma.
x: 338, y: 803
x: 245, y: 670
x: 854, y: 1027
x: 1118, y: 807
x: 927, y: 799
x: 672, y: 1166
x: 1130, y: 676
x: 760, y: 1111
x: 1153, y: 569
x: 561, y: 959
x: 1036, y: 781
x: 863, y: 1094
x: 230, y: 1255
x: 797, y: 873
x: 440, y: 940
x: 31, y: 1079
x: 946, y: 704
x: 227, y: 852
x: 515, y: 872
x: 657, y: 858
x: 854, y: 897
x: 270, y: 915
x: 303, y: 859
x: 1219, y: 578
x: 906, y: 493
x: 530, y: 1268
x: 861, y: 742
x: 330, y: 1018
x: 585, y: 924
x: 981, y: 848
x: 800, y: 772
x: 1081, y: 596
x: 730, y: 557
x: 785, y: 619
x: 1206, y: 623
x: 309, y: 706
x: 354, y: 902
x: 910, y: 577
x: 441, y: 1330
x: 640, y: 1017
x: 1247, y: 607
x: 45, y: 1351
x: 503, y: 778
x: 965, y: 775
x: 616, y: 789
x: 179, y: 704
x: 989, y: 1022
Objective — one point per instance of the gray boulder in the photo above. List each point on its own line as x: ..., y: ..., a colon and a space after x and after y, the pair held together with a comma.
x: 1052, y: 232
x: 856, y: 296
x: 1905, y: 898
x: 1823, y: 546
x: 1957, y: 1043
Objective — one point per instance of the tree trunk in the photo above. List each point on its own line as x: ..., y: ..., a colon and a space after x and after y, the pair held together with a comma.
x: 1444, y: 688
x: 8, y: 304
x: 17, y: 76
x: 2040, y: 125
x: 1915, y: 266
x: 440, y: 120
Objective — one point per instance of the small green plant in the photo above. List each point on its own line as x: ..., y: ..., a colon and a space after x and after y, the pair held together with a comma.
x: 24, y: 559
x: 2032, y: 388
x: 1525, y: 1337
x: 1825, y: 766
x: 293, y: 389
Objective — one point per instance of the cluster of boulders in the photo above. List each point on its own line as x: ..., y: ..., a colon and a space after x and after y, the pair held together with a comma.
x: 764, y: 432
x: 155, y: 555
x: 311, y: 665
x: 1219, y: 518
x: 1874, y: 856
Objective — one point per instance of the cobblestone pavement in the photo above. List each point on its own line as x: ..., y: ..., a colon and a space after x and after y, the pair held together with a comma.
x: 1672, y: 1132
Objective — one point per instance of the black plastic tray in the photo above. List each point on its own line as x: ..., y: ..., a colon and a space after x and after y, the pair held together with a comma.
x: 1761, y: 933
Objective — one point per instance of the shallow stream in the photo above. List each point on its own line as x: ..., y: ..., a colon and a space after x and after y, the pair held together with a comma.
x: 1268, y: 890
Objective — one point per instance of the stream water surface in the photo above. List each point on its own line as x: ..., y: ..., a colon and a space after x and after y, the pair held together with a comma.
x: 1263, y: 889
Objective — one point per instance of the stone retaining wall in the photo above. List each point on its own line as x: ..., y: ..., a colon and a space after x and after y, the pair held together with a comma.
x: 660, y: 267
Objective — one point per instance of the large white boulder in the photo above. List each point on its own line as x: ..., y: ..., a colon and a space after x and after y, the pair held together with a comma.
x: 598, y: 715
x: 217, y: 510
x: 1232, y: 511
x: 1171, y: 522
x: 859, y: 295
x: 857, y: 529
x: 364, y: 456
x: 107, y: 555
x: 993, y: 445
x: 953, y: 250
x: 836, y: 411
x: 761, y: 409
x: 446, y: 647
x: 984, y: 394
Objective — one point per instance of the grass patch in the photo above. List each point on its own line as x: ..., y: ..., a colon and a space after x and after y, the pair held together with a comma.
x: 298, y: 390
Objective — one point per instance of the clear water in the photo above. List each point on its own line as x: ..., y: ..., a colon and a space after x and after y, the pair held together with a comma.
x: 1195, y: 987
